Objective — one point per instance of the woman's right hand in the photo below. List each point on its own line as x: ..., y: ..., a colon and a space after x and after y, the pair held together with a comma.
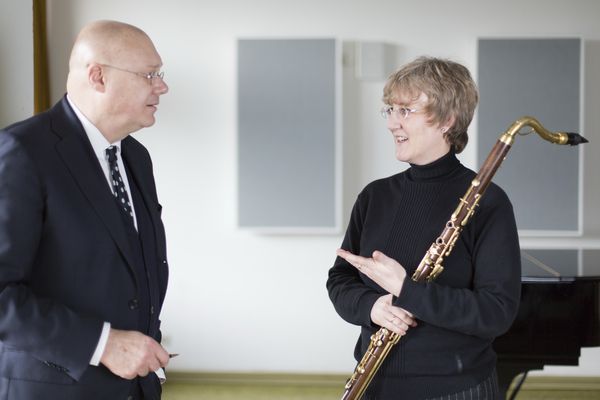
x: 396, y: 319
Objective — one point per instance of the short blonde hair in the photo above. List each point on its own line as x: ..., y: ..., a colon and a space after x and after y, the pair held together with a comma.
x: 450, y: 90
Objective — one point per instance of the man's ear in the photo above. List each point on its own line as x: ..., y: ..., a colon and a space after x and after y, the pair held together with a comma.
x: 96, y: 77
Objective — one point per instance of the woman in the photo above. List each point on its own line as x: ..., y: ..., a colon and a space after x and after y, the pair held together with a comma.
x: 447, y: 325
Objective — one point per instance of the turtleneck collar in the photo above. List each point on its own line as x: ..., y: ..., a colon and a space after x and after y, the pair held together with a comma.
x: 434, y: 171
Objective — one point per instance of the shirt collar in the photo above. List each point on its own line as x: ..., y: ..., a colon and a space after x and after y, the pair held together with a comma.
x: 97, y: 139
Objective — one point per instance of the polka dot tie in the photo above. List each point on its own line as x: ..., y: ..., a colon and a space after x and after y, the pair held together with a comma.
x: 119, y: 191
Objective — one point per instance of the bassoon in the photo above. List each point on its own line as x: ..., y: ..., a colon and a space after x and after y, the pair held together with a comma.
x: 431, y: 265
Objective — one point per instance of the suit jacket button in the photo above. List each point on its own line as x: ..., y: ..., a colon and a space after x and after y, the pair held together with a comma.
x: 133, y: 304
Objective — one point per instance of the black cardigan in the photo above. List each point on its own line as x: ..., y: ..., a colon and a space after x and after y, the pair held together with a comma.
x: 473, y: 301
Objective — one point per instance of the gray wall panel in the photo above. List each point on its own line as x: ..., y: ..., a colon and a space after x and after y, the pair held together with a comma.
x: 287, y: 133
x: 540, y: 78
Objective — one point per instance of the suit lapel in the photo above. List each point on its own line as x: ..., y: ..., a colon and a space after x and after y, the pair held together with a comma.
x: 77, y: 154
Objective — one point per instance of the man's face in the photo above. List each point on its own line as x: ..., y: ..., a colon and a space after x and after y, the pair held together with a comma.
x: 132, y: 98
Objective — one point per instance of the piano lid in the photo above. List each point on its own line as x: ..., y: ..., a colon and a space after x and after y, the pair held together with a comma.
x: 555, y: 265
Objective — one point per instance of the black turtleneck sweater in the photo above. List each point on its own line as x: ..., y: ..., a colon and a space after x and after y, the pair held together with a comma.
x: 473, y: 301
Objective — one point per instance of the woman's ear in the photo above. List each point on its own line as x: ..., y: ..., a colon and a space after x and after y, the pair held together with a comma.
x: 445, y: 127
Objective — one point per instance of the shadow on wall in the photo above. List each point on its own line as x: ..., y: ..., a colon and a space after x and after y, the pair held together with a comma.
x: 364, y: 64
x: 61, y: 31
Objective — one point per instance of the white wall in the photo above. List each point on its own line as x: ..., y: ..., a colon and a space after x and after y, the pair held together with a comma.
x: 243, y: 302
x: 16, y: 61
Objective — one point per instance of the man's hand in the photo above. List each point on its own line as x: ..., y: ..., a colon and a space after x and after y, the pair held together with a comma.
x: 396, y: 319
x: 130, y: 353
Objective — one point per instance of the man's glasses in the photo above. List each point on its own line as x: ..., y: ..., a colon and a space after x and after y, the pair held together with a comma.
x: 150, y: 76
x: 404, y: 112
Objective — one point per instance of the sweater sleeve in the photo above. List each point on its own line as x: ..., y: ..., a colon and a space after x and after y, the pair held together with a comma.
x: 351, y: 297
x: 488, y: 307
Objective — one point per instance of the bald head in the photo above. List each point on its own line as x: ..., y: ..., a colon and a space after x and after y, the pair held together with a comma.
x: 106, y: 42
x: 107, y: 70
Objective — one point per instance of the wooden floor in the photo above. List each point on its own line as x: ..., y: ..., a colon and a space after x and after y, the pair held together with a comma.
x: 247, y: 392
x: 218, y: 386
x: 202, y: 386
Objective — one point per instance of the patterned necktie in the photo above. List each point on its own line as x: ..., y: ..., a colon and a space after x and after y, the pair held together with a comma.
x: 121, y: 195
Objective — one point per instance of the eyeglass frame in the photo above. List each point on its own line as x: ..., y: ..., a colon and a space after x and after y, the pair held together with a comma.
x: 150, y: 76
x: 404, y: 112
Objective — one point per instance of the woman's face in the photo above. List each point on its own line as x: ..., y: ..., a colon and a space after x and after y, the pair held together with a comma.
x: 416, y: 140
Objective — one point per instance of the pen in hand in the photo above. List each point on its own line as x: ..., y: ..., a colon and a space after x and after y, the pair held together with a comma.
x: 161, y: 373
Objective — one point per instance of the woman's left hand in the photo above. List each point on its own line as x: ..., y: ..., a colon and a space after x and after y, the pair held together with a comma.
x: 383, y: 270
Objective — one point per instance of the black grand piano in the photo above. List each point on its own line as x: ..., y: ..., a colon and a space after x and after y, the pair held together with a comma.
x: 559, y: 312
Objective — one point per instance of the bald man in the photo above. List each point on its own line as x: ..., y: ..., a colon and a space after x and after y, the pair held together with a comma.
x: 83, y: 267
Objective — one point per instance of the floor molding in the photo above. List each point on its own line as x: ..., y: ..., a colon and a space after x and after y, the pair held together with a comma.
x: 258, y: 378
x: 532, y: 383
x: 182, y: 385
x: 559, y: 388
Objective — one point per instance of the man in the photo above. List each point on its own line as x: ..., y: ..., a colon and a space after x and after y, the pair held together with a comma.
x: 83, y: 269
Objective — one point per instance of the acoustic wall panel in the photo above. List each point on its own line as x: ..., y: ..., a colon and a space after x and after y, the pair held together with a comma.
x: 288, y: 135
x: 540, y: 78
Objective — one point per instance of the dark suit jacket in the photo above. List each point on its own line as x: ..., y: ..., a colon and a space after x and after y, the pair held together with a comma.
x: 65, y: 263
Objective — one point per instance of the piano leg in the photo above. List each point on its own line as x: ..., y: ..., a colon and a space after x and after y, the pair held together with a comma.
x: 508, y: 371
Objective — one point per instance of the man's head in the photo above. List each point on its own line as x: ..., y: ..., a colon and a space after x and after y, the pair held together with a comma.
x: 114, y: 78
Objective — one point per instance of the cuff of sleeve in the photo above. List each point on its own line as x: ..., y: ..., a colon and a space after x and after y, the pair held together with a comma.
x: 366, y: 305
x: 410, y: 296
x: 101, y: 345
x: 162, y: 378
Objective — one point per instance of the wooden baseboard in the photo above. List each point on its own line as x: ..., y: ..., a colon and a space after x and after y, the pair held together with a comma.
x: 558, y: 388
x: 258, y: 378
x: 534, y: 387
x: 575, y: 384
